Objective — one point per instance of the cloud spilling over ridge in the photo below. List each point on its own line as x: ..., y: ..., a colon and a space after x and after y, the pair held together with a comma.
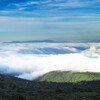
x: 31, y: 65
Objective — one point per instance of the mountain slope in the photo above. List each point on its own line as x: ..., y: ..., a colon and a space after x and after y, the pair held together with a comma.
x: 63, y: 76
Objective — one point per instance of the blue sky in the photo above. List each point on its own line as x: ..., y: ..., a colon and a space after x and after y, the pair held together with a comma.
x: 72, y: 20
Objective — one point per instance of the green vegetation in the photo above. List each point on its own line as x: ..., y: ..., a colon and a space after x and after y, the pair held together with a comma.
x: 12, y: 88
x: 63, y: 76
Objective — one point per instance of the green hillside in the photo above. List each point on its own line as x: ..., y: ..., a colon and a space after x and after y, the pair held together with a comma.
x: 63, y: 76
x: 12, y: 88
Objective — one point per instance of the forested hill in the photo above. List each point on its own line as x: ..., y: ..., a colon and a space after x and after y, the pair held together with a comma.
x: 12, y: 88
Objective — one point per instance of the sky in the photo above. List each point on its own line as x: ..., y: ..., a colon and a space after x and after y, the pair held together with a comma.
x: 70, y: 20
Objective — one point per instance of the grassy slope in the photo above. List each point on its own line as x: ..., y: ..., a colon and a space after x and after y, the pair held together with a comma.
x: 17, y: 89
x: 58, y: 76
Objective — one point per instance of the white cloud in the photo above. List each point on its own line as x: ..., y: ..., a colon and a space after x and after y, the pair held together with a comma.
x: 31, y: 66
x: 71, y: 3
x: 59, y: 4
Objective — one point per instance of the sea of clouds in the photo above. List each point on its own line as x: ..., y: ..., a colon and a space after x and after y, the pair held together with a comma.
x: 31, y: 60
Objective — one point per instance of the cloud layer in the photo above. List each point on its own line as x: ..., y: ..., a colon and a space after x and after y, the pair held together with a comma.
x: 31, y: 60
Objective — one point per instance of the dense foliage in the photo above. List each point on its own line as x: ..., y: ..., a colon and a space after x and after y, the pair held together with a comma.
x: 64, y: 76
x: 12, y: 88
